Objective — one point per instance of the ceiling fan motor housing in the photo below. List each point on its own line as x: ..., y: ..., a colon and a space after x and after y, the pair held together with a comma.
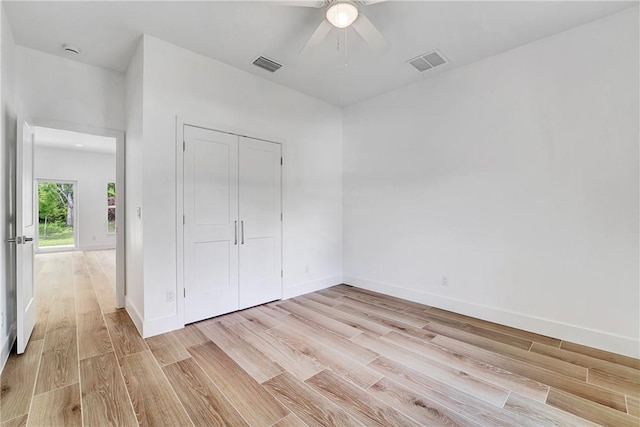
x: 342, y: 13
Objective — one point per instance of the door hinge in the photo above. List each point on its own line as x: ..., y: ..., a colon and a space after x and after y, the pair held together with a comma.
x: 281, y: 273
x: 184, y: 220
x: 184, y: 292
x: 281, y: 161
x: 281, y: 216
x: 184, y: 145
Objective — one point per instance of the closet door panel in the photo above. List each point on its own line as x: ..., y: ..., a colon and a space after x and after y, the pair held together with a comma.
x: 261, y: 228
x: 211, y: 276
x: 212, y: 170
x: 211, y: 212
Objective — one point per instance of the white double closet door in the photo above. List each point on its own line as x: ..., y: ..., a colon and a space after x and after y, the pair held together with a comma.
x: 232, y: 223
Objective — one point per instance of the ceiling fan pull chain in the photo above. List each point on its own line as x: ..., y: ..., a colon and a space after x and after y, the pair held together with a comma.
x: 346, y: 50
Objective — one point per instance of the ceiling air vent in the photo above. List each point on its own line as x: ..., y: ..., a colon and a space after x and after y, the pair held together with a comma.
x: 428, y: 60
x: 267, y: 64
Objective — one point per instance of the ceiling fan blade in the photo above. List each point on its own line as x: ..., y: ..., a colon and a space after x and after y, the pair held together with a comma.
x: 369, y: 32
x: 318, y: 35
x: 370, y: 2
x: 299, y: 3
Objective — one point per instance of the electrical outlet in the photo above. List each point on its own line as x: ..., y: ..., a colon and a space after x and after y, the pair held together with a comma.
x: 171, y: 296
x: 444, y: 281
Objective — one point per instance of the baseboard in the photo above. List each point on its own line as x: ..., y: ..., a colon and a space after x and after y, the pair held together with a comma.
x: 55, y: 249
x: 96, y: 247
x: 52, y: 249
x: 307, y: 287
x: 151, y: 327
x: 160, y: 326
x: 564, y: 331
x: 7, y: 344
x: 134, y: 314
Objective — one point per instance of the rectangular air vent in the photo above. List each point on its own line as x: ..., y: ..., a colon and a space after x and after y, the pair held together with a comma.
x: 428, y: 60
x: 267, y: 64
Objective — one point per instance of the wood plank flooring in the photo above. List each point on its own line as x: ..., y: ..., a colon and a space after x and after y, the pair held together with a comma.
x: 338, y: 357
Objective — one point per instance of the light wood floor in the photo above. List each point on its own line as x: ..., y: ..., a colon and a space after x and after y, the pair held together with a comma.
x: 341, y: 356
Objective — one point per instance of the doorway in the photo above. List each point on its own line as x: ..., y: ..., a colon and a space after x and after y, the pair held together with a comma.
x: 56, y: 213
x: 92, y: 159
x: 51, y: 154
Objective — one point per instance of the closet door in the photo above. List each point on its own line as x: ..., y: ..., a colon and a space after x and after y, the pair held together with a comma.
x: 210, y: 223
x: 260, y: 222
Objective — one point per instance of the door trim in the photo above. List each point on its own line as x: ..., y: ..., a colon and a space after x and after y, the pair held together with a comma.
x: 181, y: 122
x: 119, y: 135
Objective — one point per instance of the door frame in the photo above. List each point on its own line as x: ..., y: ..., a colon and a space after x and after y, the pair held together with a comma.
x: 119, y: 135
x: 209, y: 125
x: 76, y: 217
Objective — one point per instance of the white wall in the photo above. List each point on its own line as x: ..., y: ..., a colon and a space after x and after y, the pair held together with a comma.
x: 196, y: 88
x: 91, y: 171
x: 62, y: 90
x: 7, y: 201
x: 134, y: 165
x: 516, y: 177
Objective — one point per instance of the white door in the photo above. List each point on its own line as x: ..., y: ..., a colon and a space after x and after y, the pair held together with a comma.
x: 210, y: 223
x: 260, y: 222
x: 25, y: 232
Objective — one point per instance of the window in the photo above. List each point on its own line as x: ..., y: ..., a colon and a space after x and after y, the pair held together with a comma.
x: 111, y: 207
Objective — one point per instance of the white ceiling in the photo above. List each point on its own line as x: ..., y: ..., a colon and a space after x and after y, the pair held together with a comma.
x: 236, y: 32
x: 67, y: 140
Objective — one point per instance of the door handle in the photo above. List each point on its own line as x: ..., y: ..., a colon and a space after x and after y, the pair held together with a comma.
x: 242, y: 231
x: 20, y: 240
x: 235, y: 232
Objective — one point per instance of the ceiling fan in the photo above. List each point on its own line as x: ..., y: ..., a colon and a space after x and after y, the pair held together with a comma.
x: 342, y: 14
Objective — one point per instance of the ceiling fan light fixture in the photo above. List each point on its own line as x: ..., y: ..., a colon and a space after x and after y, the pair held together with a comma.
x: 342, y: 14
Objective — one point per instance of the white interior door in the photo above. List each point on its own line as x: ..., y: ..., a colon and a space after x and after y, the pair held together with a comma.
x: 210, y: 223
x: 260, y: 222
x: 25, y: 232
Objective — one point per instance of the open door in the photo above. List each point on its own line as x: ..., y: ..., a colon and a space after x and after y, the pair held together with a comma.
x: 25, y: 232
